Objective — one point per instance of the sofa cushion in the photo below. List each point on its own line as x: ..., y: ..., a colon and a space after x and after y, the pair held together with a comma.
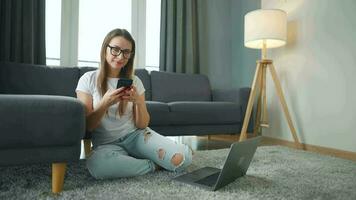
x: 216, y: 129
x: 169, y: 87
x: 159, y: 113
x: 146, y: 80
x: 209, y: 113
x: 18, y: 78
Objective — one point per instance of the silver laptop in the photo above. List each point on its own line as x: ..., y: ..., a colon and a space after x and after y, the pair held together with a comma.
x: 235, y: 166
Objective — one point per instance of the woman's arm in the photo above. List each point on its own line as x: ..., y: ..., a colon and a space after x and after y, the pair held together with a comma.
x: 94, y: 116
x: 142, y: 118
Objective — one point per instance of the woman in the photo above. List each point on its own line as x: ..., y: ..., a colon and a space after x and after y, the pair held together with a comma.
x: 123, y: 145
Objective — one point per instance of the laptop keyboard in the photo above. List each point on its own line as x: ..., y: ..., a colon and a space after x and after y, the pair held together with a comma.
x: 209, y: 180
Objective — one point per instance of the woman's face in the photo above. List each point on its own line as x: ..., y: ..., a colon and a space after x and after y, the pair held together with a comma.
x: 118, y: 52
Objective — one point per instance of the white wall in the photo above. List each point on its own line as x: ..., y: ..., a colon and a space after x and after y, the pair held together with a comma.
x: 317, y: 70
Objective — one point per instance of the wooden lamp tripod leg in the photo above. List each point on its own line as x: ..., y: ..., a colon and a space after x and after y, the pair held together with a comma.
x: 284, y: 105
x: 256, y: 78
x: 258, y: 113
x: 264, y: 119
x: 259, y: 101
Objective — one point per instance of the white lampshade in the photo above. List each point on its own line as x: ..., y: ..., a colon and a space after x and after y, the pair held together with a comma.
x: 265, y: 25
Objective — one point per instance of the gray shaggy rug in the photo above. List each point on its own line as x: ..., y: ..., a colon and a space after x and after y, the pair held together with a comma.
x: 276, y: 172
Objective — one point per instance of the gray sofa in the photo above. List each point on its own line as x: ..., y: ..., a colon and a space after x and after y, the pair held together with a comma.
x: 41, y: 121
x: 181, y: 104
x: 184, y: 104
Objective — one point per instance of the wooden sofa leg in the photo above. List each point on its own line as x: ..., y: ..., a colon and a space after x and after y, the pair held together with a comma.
x: 58, y: 172
x: 87, y: 147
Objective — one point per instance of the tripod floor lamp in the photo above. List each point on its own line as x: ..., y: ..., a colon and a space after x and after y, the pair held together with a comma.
x: 265, y: 28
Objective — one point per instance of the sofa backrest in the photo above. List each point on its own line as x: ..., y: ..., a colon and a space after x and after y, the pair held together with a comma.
x: 18, y: 78
x: 146, y: 80
x: 83, y: 70
x: 169, y: 87
x: 141, y: 73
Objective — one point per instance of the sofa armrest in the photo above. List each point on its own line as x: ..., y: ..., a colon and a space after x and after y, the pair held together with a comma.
x: 239, y: 96
x: 244, y: 95
x: 40, y: 121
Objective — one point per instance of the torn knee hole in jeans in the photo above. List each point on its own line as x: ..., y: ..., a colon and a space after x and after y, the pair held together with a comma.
x: 161, y: 153
x: 177, y: 159
x: 147, y: 135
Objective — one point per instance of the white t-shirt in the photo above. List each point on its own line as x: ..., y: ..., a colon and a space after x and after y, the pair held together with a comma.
x: 112, y: 126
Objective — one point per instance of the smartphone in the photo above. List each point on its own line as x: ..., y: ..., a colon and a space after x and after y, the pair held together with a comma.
x: 124, y: 82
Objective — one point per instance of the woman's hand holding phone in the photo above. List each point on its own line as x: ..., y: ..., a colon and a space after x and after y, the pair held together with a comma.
x: 126, y: 85
x: 124, y: 91
x: 111, y: 97
x: 130, y: 94
x: 124, y: 82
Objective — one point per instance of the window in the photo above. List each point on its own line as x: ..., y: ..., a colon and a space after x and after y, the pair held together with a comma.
x: 153, y: 16
x: 53, y: 31
x: 95, y: 19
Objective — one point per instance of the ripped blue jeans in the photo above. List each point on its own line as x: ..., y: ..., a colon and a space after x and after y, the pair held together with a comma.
x: 136, y: 154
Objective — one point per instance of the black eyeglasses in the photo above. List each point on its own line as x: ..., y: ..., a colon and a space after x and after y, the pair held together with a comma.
x: 116, y: 51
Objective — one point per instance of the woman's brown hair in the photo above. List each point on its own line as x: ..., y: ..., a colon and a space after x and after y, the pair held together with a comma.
x: 125, y: 72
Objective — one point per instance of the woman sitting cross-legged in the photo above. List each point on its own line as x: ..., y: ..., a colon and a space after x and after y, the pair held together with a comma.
x: 123, y: 145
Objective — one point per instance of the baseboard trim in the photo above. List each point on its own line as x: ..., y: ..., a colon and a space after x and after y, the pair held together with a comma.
x: 313, y: 148
x: 225, y: 137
